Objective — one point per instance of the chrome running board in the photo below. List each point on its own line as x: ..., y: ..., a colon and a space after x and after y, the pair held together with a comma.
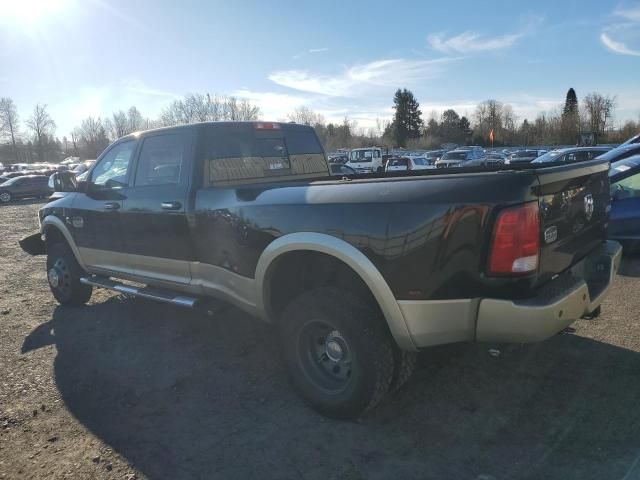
x: 157, y: 294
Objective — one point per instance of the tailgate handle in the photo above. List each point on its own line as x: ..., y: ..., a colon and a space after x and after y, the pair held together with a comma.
x: 111, y: 206
x: 171, y: 205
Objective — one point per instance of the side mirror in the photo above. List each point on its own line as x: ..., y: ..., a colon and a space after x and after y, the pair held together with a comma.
x: 64, y: 181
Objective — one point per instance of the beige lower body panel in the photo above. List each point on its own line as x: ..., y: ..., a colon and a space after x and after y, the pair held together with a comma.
x: 493, y: 320
x: 438, y: 322
x: 194, y: 278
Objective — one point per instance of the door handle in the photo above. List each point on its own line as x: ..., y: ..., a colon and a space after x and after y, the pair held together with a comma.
x: 171, y: 205
x: 111, y: 206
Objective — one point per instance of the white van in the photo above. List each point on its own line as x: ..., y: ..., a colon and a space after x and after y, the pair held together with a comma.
x: 365, y: 160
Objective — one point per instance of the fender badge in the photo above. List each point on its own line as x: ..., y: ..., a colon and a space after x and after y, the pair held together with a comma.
x: 551, y: 234
x: 78, y: 222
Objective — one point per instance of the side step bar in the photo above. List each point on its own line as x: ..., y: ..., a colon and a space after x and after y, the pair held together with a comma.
x: 160, y: 295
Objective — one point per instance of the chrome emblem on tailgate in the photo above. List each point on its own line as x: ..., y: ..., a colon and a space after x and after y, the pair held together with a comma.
x: 588, y: 206
x: 551, y: 234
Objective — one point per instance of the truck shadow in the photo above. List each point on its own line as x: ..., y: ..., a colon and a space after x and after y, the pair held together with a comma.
x: 182, y: 395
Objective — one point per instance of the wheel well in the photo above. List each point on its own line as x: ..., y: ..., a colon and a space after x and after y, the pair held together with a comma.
x: 52, y: 236
x: 297, y: 272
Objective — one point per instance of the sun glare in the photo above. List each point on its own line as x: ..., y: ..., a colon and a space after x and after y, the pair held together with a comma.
x: 31, y: 10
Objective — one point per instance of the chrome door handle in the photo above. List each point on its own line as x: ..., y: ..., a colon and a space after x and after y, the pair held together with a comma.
x: 111, y: 206
x: 171, y: 205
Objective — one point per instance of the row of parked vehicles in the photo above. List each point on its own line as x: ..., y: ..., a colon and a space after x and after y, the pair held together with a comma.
x: 32, y: 180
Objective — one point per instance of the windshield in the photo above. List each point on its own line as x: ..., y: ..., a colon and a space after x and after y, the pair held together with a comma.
x: 11, y: 181
x: 549, y: 157
x: 362, y: 155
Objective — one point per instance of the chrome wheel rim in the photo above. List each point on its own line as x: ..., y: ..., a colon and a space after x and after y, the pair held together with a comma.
x: 5, y: 197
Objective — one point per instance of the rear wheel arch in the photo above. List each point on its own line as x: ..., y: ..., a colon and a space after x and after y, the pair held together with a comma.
x: 346, y: 257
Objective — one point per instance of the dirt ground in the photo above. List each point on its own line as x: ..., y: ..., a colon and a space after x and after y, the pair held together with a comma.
x: 125, y: 388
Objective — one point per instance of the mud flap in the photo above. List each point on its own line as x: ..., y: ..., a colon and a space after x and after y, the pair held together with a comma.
x: 33, y: 244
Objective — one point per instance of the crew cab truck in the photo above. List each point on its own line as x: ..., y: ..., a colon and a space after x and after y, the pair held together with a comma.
x: 357, y: 274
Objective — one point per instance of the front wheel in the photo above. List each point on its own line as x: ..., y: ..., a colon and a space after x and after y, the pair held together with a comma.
x: 5, y: 197
x: 64, y: 274
x: 338, y: 351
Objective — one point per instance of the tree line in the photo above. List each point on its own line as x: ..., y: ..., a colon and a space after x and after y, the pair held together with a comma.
x: 34, y: 139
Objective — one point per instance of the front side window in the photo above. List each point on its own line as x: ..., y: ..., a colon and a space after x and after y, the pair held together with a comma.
x: 161, y: 159
x: 113, y: 169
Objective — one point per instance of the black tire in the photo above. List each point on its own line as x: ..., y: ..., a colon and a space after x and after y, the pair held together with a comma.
x: 404, y: 363
x: 317, y: 321
x: 63, y: 274
x: 5, y: 197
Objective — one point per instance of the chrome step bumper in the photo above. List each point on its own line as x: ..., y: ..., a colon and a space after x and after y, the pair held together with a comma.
x: 159, y: 295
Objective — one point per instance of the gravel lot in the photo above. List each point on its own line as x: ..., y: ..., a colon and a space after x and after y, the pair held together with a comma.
x: 125, y: 388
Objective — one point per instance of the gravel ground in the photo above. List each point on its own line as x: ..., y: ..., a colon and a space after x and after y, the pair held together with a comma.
x: 125, y: 388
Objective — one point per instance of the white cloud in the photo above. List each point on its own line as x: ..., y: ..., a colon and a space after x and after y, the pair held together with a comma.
x: 356, y: 80
x: 274, y: 106
x: 471, y: 42
x: 623, y: 35
x: 616, y: 46
x: 318, y: 50
x: 474, y: 42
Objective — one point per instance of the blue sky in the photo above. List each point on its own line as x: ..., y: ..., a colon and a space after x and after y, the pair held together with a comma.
x: 91, y: 57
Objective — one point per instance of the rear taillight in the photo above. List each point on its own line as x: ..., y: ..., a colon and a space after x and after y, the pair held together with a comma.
x: 515, y: 248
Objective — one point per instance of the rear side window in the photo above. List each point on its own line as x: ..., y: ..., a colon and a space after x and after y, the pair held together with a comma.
x: 161, y: 159
x: 251, y: 153
x: 301, y: 140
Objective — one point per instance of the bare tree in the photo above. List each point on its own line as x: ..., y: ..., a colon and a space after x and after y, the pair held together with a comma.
x: 598, y: 111
x: 306, y: 116
x: 9, y: 123
x: 42, y: 125
x: 92, y: 136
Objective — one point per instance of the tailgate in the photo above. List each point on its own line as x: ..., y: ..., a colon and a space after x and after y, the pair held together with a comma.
x: 574, y: 209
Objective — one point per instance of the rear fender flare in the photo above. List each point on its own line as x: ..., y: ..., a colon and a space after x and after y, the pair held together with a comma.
x: 348, y: 254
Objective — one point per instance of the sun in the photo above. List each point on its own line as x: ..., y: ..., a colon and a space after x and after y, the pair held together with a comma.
x: 31, y: 10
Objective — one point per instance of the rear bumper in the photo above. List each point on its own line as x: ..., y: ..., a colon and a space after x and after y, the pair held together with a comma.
x: 575, y: 293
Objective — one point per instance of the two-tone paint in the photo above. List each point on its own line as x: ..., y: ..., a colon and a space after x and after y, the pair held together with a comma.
x: 411, y: 238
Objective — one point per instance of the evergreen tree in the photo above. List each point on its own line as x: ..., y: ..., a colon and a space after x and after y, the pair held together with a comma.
x: 570, y: 103
x: 570, y: 118
x: 407, y: 121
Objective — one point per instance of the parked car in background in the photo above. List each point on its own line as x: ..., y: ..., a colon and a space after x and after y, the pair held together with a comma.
x: 571, y: 155
x: 434, y: 155
x: 494, y: 158
x: 338, y: 169
x: 524, y: 156
x: 624, y: 217
x: 82, y: 167
x: 365, y: 160
x: 23, y: 187
x: 462, y: 157
x: 633, y: 140
x: 400, y: 164
x: 620, y: 153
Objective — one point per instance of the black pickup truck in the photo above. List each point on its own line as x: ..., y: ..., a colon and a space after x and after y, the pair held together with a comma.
x: 357, y: 273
